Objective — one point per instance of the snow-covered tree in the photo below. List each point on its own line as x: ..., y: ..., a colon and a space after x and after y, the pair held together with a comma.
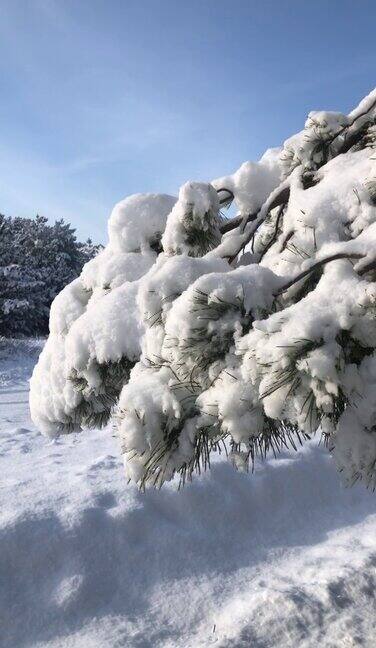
x: 36, y: 261
x: 194, y: 332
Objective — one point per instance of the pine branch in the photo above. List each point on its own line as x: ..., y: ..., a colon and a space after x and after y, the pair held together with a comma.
x: 283, y: 196
x: 226, y: 201
x: 347, y: 144
x: 233, y: 223
x: 274, y: 237
x: 315, y: 266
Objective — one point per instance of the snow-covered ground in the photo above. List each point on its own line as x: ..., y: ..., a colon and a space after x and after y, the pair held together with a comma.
x: 284, y: 557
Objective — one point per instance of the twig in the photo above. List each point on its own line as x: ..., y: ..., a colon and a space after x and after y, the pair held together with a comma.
x: 275, y: 233
x: 226, y: 200
x: 334, y: 257
x: 232, y: 223
x: 347, y: 126
x: 281, y: 198
x: 367, y: 268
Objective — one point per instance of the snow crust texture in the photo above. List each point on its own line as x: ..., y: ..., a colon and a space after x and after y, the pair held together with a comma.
x: 190, y: 332
x: 281, y: 558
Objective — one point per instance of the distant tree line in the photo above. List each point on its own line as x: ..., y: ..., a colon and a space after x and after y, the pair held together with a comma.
x: 36, y: 261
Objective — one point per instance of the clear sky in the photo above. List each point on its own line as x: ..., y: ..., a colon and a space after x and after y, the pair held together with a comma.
x: 103, y: 98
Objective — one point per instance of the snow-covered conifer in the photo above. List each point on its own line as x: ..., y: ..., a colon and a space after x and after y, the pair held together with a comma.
x: 36, y: 261
x: 194, y: 332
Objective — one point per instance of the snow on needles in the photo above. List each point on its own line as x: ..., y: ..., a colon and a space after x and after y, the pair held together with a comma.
x: 189, y: 331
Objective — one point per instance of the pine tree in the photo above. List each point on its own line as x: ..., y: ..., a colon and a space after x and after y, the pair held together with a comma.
x: 37, y: 261
x: 195, y: 333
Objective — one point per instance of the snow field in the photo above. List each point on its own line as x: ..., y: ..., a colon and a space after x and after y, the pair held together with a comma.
x: 284, y: 557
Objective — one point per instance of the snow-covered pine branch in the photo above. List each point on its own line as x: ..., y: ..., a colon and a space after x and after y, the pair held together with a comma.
x: 192, y: 332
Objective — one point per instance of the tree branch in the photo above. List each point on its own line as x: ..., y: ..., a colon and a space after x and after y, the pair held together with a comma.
x: 367, y: 268
x: 281, y: 198
x: 230, y: 224
x: 224, y: 201
x: 275, y: 233
x: 344, y: 148
x: 315, y: 266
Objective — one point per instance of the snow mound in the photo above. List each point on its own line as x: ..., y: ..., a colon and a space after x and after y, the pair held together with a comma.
x: 137, y: 221
x: 252, y: 183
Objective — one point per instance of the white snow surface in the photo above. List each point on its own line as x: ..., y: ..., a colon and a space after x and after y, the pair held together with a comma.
x: 135, y: 220
x: 253, y: 181
x: 284, y: 557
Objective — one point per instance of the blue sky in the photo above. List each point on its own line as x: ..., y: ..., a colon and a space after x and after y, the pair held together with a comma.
x: 104, y: 98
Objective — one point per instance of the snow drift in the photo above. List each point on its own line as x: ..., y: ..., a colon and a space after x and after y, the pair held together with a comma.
x: 232, y: 560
